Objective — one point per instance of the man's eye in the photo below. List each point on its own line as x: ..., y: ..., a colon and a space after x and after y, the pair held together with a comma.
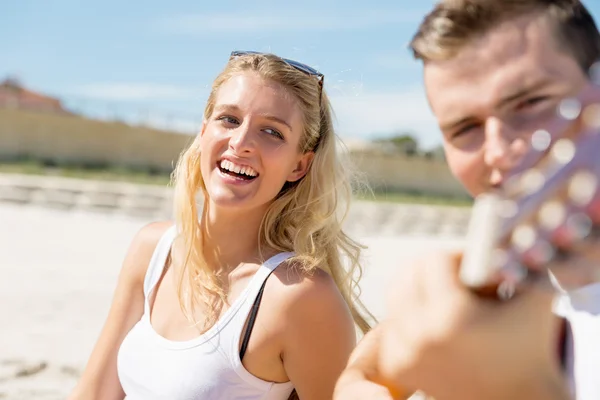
x: 531, y: 102
x: 464, y: 130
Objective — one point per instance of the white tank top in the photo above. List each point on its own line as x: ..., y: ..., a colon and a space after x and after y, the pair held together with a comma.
x: 150, y: 367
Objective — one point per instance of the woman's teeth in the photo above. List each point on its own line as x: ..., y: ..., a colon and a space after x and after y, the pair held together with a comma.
x: 238, y: 169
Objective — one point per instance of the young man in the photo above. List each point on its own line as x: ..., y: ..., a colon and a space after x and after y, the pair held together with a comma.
x: 494, y: 73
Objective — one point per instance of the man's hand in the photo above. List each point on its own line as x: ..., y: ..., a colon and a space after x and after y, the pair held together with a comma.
x: 445, y: 340
x: 361, y: 379
x: 454, y: 344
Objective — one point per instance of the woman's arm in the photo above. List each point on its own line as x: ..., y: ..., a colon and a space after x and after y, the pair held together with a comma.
x: 319, y: 335
x: 99, y: 379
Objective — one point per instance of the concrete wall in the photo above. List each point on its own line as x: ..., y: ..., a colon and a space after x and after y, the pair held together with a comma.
x: 71, y: 139
x: 366, y: 218
x: 87, y: 195
x: 395, y: 173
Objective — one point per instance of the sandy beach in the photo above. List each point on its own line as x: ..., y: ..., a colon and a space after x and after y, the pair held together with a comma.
x: 59, y: 269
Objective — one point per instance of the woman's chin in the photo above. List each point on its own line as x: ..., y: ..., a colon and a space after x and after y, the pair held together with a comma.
x: 223, y: 198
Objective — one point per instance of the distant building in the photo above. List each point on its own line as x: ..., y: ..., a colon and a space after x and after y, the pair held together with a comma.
x: 14, y: 95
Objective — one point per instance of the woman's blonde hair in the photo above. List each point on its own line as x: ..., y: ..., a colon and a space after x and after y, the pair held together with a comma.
x: 306, y: 217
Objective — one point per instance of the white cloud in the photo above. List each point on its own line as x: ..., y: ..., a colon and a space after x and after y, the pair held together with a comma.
x: 224, y: 23
x: 135, y: 91
x: 378, y: 113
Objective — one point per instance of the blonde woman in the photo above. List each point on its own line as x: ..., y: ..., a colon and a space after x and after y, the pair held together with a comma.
x: 245, y: 297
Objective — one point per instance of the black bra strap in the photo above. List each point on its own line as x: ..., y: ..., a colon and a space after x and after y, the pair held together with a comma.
x: 563, y: 344
x: 253, y: 313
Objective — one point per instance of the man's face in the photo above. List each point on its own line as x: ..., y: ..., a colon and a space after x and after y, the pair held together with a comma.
x: 494, y: 94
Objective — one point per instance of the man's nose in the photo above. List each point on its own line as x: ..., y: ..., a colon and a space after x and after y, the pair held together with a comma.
x: 504, y: 146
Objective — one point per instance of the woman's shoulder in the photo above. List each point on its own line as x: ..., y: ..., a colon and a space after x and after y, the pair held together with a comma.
x: 294, y: 281
x: 315, y: 322
x: 142, y: 248
x: 307, y: 295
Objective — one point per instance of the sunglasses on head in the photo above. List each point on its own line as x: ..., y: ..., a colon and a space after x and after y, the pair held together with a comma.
x: 298, y: 65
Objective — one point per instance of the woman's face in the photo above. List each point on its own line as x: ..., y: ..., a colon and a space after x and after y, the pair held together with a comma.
x: 250, y: 143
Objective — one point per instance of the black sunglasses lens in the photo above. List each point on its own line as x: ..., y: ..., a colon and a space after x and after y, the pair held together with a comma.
x: 243, y: 53
x: 302, y: 67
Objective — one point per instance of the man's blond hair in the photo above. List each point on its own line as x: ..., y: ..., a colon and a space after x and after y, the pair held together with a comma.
x: 453, y: 24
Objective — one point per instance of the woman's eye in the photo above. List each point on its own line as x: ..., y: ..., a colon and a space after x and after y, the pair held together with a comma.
x: 226, y: 119
x: 273, y: 132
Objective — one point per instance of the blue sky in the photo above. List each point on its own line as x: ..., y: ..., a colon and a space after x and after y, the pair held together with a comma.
x: 155, y: 60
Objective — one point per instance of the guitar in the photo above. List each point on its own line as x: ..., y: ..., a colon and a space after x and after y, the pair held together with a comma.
x: 546, y: 213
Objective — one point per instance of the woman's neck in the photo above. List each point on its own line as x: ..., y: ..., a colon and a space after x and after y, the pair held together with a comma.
x: 231, y: 237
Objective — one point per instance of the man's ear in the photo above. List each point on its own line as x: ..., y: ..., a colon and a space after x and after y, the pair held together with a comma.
x: 302, y: 167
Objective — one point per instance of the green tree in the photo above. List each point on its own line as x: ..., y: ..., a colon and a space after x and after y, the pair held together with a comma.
x: 405, y: 143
